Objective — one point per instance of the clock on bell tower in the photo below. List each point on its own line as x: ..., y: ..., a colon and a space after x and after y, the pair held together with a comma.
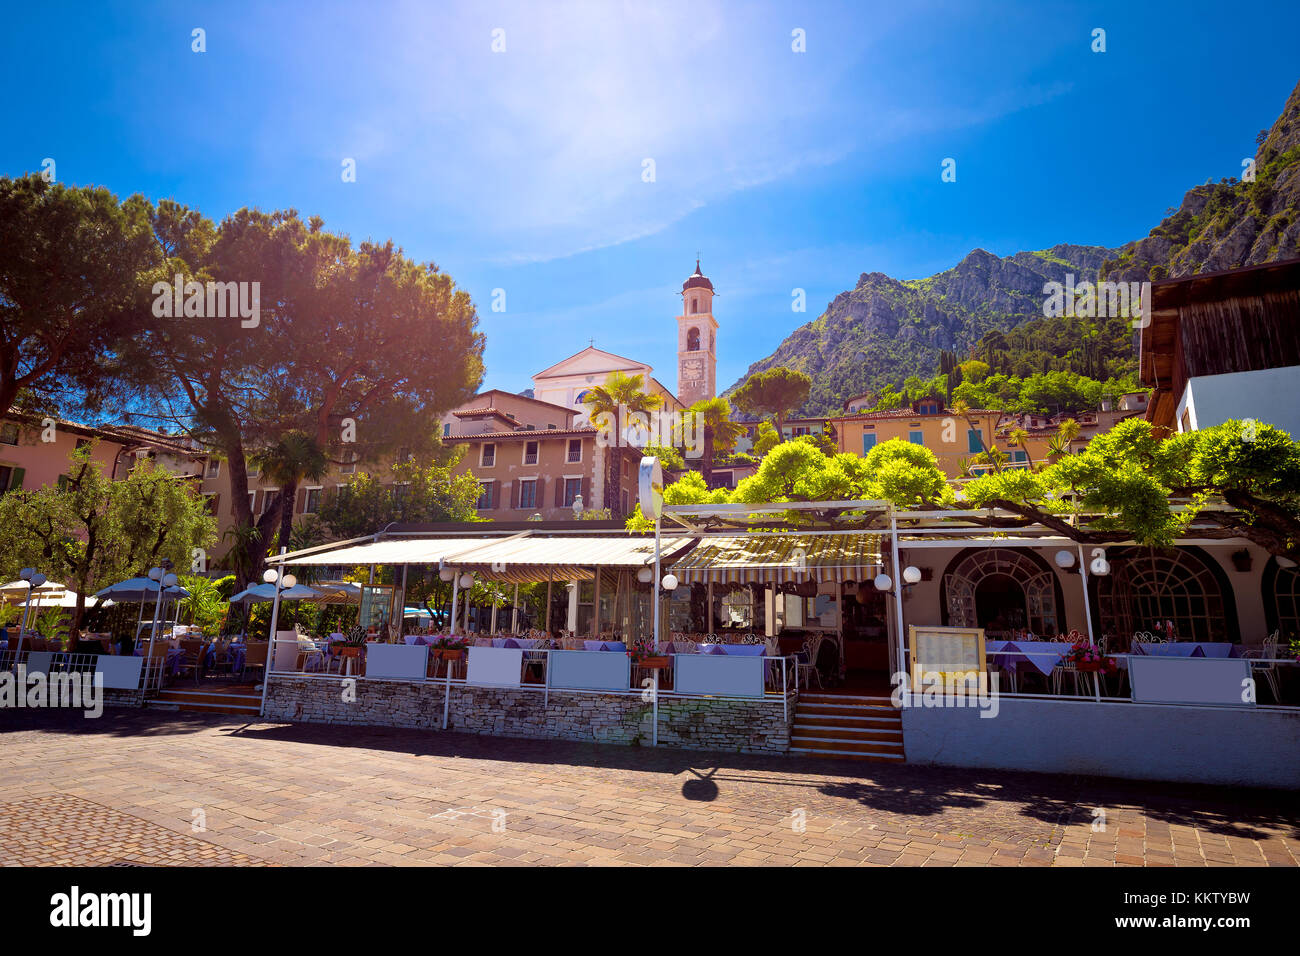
x: 697, y: 356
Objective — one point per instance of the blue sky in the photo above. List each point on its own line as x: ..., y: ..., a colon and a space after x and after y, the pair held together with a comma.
x: 522, y: 170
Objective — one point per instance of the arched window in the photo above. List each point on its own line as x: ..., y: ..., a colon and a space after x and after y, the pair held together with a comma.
x: 1001, y: 589
x: 1282, y: 600
x: 695, y: 306
x: 1146, y: 587
x: 693, y: 340
x: 582, y: 397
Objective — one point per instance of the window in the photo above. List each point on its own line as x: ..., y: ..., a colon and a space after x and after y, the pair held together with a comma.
x: 527, y: 493
x: 695, y: 306
x: 626, y: 467
x: 350, y: 466
x: 214, y: 468
x: 6, y: 476
x: 446, y: 429
x: 928, y: 408
x: 916, y: 437
x: 1019, y: 456
x: 624, y: 502
x: 269, y: 497
x: 9, y: 433
x: 868, y: 441
x: 1283, y: 607
x: 252, y: 502
x: 1144, y: 588
x: 572, y: 488
x: 693, y: 340
x: 799, y: 430
x: 211, y: 502
x: 311, y: 504
x: 488, y: 456
x: 530, y: 453
x: 974, y: 440
x: 575, y: 450
x: 484, y: 495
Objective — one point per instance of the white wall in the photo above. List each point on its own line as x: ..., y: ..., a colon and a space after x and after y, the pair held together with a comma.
x: 1227, y: 745
x: 1269, y: 395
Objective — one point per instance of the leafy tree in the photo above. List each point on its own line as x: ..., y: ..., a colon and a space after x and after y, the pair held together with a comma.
x: 91, y: 531
x: 360, y: 350
x: 778, y: 391
x: 75, y: 262
x: 418, y: 493
x: 295, y: 457
x: 766, y: 437
x: 670, y: 458
x: 207, y: 604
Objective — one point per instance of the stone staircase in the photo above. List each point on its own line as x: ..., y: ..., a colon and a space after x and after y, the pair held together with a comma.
x: 840, y: 725
x: 236, y: 701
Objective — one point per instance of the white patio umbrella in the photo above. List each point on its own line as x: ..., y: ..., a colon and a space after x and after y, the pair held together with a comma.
x: 266, y: 592
x: 15, y: 592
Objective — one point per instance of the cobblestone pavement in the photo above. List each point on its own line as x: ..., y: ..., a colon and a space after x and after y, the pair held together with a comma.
x: 155, y: 787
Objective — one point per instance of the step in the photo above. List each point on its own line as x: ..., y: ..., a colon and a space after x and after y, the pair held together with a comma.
x: 847, y: 754
x: 877, y: 713
x: 841, y: 733
x: 232, y: 709
x: 859, y: 723
x: 847, y: 743
x: 846, y: 698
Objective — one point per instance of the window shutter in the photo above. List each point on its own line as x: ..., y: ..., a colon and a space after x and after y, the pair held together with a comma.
x: 17, y: 481
x: 585, y: 492
x: 496, y: 494
x: 539, y: 495
x: 301, y: 502
x: 516, y: 487
x: 252, y: 504
x: 559, y: 492
x: 213, y: 503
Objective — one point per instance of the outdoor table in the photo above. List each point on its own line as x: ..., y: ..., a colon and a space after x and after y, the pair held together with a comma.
x: 1220, y: 649
x: 1043, y: 656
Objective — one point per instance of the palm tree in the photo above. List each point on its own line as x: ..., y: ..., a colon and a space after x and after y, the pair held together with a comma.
x: 604, y: 402
x: 1057, y: 447
x: 1020, y: 437
x: 959, y: 407
x: 720, y: 432
x: 295, y: 457
x: 1068, y: 430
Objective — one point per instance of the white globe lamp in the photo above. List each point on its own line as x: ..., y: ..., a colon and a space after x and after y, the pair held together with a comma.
x: 884, y: 582
x: 1065, y: 559
x: 269, y: 575
x: 644, y: 575
x: 911, y: 575
x: 467, y: 580
x: 670, y: 582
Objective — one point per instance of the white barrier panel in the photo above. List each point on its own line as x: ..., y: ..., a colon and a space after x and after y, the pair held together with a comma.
x: 721, y: 675
x: 38, y: 662
x: 589, y: 670
x: 120, y: 673
x: 286, y: 653
x: 1188, y: 680
x: 498, y: 666
x: 397, y: 661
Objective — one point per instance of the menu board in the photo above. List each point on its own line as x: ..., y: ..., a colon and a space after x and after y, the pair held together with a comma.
x: 953, y: 652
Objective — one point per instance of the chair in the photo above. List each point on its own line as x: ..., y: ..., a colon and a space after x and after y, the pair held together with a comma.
x: 808, y: 667
x: 1267, y: 665
x: 155, y: 662
x: 256, y: 656
x: 196, y: 655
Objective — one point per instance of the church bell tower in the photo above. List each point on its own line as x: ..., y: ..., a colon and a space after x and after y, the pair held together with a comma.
x: 697, y: 329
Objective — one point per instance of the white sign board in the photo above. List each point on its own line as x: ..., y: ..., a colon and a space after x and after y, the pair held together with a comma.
x: 651, y: 490
x: 589, y: 670
x: 1189, y: 680
x: 396, y: 661
x: 497, y: 666
x: 719, y: 675
x: 120, y: 673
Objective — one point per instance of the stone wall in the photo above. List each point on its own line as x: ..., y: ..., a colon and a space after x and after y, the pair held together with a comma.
x: 696, y: 724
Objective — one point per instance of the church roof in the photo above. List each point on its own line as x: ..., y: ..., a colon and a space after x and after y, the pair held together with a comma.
x: 605, y: 362
x: 697, y: 280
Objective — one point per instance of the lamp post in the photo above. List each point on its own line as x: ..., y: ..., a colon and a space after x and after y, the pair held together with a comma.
x: 163, y: 577
x: 34, y: 580
x: 281, y: 580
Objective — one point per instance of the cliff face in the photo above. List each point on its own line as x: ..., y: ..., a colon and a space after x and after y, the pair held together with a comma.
x: 884, y: 330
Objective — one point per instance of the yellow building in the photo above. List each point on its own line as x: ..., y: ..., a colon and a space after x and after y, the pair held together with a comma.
x: 953, y: 438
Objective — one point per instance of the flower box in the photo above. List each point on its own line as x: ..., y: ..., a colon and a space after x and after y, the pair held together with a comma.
x: 651, y: 662
x: 340, y: 649
x: 448, y: 653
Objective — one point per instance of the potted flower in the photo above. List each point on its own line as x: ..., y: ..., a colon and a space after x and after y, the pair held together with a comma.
x: 1088, y: 658
x: 643, y: 654
x: 448, y: 648
x: 351, y: 644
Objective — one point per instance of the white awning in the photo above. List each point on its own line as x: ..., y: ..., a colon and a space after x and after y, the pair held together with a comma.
x: 780, y: 559
x: 563, y: 557
x: 391, y: 551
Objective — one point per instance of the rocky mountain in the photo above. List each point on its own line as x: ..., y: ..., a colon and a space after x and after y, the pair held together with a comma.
x: 884, y: 329
x: 1231, y: 223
